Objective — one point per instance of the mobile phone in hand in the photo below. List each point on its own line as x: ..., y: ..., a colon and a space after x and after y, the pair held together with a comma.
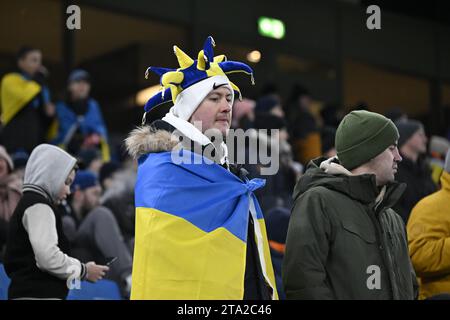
x: 111, y: 261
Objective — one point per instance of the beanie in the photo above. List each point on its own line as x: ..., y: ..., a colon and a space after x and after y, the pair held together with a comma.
x: 86, y: 156
x: 406, y: 129
x: 84, y: 179
x: 266, y: 103
x: 107, y: 170
x: 361, y: 136
x: 79, y: 75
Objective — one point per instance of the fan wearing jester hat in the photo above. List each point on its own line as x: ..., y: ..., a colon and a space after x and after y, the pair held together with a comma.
x: 202, y: 97
x: 200, y: 232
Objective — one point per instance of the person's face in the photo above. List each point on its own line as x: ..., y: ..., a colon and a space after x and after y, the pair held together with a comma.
x: 277, y: 111
x: 65, y: 189
x: 385, y: 165
x: 91, y: 197
x: 305, y: 101
x: 31, y: 62
x: 79, y: 89
x: 3, y: 168
x: 214, y: 112
x: 418, y: 141
x: 95, y: 165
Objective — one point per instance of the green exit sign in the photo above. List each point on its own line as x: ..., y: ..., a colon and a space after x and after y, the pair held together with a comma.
x: 270, y: 27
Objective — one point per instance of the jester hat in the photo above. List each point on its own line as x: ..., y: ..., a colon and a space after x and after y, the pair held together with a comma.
x: 188, y: 85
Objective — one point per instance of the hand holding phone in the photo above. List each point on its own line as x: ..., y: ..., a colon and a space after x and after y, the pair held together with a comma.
x: 111, y: 261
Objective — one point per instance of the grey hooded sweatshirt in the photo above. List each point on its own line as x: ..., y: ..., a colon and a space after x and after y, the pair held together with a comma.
x: 46, y: 172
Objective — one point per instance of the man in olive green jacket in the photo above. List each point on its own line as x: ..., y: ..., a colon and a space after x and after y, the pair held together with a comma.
x: 344, y: 240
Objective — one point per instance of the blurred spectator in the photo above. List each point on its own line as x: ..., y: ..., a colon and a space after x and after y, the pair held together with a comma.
x: 278, y: 188
x: 119, y: 198
x: 396, y: 114
x: 36, y: 257
x: 327, y: 135
x: 303, y: 126
x: 20, y: 159
x: 299, y: 97
x: 269, y: 104
x: 26, y: 110
x: 106, y: 174
x: 428, y: 233
x: 80, y: 120
x: 331, y: 115
x: 438, y: 149
x: 243, y: 114
x: 361, y: 105
x: 277, y: 222
x: 93, y: 231
x: 10, y: 186
x: 10, y: 193
x: 270, y: 88
x: 413, y: 169
x: 90, y: 159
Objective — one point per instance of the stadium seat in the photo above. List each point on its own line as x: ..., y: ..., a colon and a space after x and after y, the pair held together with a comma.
x: 101, y: 290
x: 4, y: 283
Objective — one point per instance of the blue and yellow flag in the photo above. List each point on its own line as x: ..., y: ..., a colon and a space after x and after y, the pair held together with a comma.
x: 191, y: 230
x: 16, y: 93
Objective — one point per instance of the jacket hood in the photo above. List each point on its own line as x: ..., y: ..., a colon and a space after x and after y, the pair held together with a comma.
x: 47, y: 170
x: 148, y: 139
x: 330, y: 174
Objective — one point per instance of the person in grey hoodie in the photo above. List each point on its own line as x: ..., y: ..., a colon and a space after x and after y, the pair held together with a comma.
x: 35, y: 258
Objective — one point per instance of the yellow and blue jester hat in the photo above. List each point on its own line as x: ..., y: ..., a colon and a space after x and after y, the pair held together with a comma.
x: 188, y: 85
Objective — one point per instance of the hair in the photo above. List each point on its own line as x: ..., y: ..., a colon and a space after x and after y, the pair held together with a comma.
x: 23, y: 51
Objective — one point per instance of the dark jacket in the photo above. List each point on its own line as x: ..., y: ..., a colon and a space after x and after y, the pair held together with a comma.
x: 305, y: 135
x: 417, y: 177
x: 3, y: 232
x: 36, y: 257
x: 27, y: 280
x: 277, y: 261
x: 342, y: 240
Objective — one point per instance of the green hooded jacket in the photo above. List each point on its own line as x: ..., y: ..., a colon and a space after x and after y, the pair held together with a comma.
x: 344, y: 240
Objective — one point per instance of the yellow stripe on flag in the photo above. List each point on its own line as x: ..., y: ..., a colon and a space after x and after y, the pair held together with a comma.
x: 174, y: 259
x: 16, y: 93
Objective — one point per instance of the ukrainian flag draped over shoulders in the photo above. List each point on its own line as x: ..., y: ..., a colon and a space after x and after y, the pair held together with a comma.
x: 191, y: 230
